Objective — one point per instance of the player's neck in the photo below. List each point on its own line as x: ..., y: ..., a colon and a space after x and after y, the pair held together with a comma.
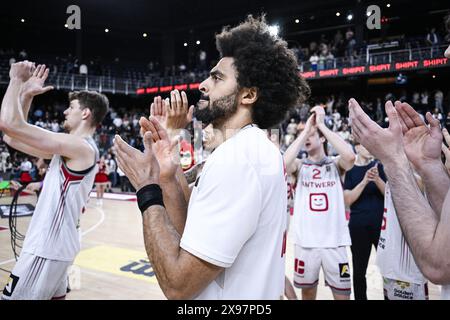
x: 234, y: 124
x: 317, y: 156
x: 82, y: 131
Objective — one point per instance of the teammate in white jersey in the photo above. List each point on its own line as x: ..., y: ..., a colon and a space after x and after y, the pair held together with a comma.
x: 321, y: 232
x: 231, y: 244
x: 425, y: 221
x: 51, y: 242
x: 402, y: 279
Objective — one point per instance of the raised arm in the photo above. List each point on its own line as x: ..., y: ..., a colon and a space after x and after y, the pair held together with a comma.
x: 290, y: 156
x: 32, y: 87
x: 15, y: 126
x: 346, y: 158
x: 174, y: 114
x: 169, y: 162
x: 180, y: 274
x: 427, y: 235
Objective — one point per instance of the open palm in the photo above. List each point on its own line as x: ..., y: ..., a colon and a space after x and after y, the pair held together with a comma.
x: 164, y: 149
x: 422, y: 143
x: 158, y: 110
x: 35, y: 84
x: 168, y: 158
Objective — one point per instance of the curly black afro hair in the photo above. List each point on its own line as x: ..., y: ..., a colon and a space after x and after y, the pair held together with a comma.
x: 265, y: 62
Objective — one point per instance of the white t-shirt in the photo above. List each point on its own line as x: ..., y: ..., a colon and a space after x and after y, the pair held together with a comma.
x: 117, y: 122
x: 55, y: 126
x: 26, y: 166
x: 394, y: 257
x: 319, y: 209
x: 237, y: 218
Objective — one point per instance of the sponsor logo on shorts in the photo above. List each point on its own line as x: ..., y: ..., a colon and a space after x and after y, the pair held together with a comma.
x: 11, y: 285
x: 344, y: 270
x: 299, y: 267
x: 403, y: 284
x: 403, y: 291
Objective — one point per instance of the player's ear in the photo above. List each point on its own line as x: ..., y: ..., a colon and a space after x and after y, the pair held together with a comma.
x: 86, y: 113
x: 249, y: 95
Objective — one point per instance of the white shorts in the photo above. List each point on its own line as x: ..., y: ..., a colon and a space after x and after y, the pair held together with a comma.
x: 37, y: 278
x: 334, y: 262
x: 400, y: 290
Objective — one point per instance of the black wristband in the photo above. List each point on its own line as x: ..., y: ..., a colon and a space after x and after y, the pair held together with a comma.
x: 149, y: 195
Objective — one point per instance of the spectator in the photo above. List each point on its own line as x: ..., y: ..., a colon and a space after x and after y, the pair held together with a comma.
x: 55, y: 126
x: 314, y: 59
x: 330, y: 104
x: 424, y: 101
x: 5, y: 163
x: 111, y: 166
x: 438, y: 115
x: 338, y: 37
x: 379, y: 113
x: 202, y: 60
x: 364, y: 193
x: 83, y: 69
x: 292, y: 128
x: 438, y: 99
x: 432, y: 40
x: 117, y: 122
x: 24, y: 171
x: 23, y: 55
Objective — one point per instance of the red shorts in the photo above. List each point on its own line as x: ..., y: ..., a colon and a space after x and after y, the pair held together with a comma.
x: 101, y: 178
x: 25, y: 177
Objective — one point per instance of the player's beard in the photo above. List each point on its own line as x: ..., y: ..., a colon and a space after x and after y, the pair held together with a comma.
x: 219, y: 110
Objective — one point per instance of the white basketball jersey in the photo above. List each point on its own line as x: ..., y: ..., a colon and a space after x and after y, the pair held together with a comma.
x: 319, y: 210
x: 394, y: 258
x: 52, y: 233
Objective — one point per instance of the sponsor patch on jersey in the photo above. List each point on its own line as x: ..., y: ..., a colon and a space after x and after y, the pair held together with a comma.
x: 344, y: 270
x: 318, y: 202
x: 11, y: 285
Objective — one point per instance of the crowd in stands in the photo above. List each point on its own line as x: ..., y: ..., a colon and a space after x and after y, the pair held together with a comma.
x: 337, y: 113
x: 125, y: 122
x: 316, y: 55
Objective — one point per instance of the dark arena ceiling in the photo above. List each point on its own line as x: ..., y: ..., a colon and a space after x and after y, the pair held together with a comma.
x: 39, y: 25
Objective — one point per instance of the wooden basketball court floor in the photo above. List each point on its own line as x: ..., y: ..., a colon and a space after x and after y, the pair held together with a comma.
x: 112, y: 263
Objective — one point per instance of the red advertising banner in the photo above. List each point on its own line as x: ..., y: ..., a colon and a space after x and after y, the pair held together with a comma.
x: 339, y: 72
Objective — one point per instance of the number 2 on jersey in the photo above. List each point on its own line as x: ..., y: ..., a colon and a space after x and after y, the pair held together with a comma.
x: 316, y: 174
